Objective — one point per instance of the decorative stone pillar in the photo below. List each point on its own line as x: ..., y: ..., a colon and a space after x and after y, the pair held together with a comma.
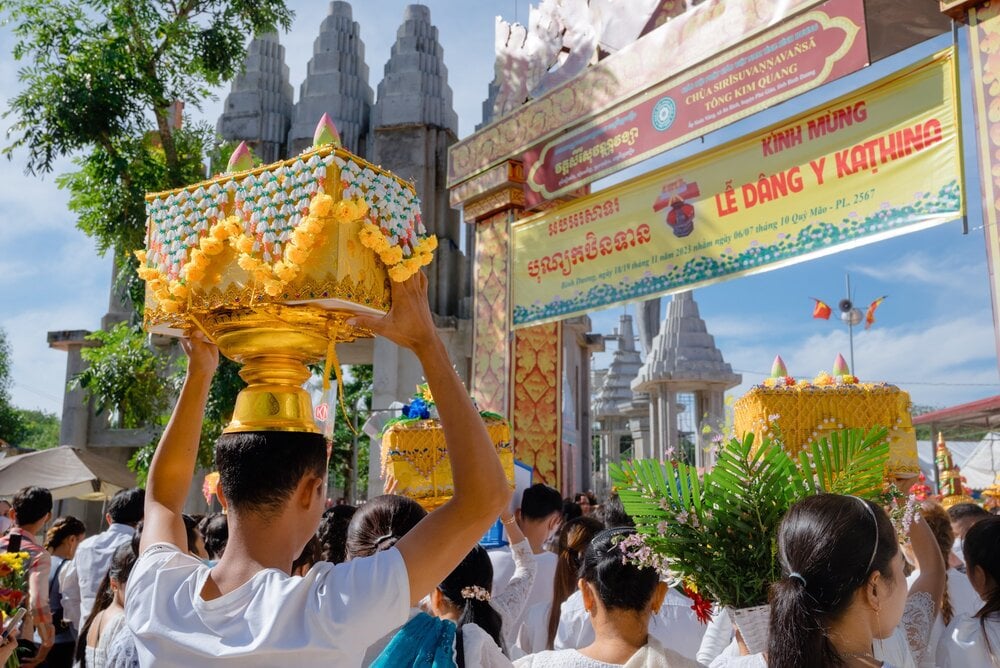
x: 75, y: 424
x: 517, y: 374
x: 413, y: 125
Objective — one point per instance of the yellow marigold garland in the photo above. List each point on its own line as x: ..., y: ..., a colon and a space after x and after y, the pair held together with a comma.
x: 171, y: 295
x: 400, y: 267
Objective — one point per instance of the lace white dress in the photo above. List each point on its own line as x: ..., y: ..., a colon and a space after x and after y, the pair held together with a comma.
x: 97, y: 657
x: 897, y: 651
x: 511, y: 601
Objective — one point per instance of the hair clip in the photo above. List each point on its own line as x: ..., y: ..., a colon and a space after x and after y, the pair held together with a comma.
x: 476, y: 592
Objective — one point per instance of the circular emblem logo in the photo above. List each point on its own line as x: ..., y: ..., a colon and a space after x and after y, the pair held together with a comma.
x: 664, y: 114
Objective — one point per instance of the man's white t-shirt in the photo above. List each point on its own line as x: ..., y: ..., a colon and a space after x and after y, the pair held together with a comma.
x: 326, y: 618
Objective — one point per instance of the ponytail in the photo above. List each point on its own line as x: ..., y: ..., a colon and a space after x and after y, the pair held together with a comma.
x: 574, y: 537
x: 982, y: 550
x: 119, y: 571
x: 829, y: 546
x: 795, y: 636
x: 61, y: 529
x: 102, y: 601
x: 468, y: 588
x: 486, y: 617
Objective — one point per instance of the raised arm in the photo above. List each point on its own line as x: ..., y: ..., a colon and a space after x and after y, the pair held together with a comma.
x: 172, y: 468
x: 927, y: 553
x: 440, y: 541
x: 924, y: 598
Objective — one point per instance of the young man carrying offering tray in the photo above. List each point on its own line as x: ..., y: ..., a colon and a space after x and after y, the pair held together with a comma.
x: 247, y: 610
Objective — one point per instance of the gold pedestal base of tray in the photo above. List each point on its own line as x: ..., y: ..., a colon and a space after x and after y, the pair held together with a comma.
x: 274, y: 344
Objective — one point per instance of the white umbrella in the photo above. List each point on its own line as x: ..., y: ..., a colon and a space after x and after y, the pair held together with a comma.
x: 67, y: 472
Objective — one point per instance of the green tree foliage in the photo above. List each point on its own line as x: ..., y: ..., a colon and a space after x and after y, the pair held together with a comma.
x: 42, y: 429
x: 357, y: 384
x: 97, y: 71
x: 125, y: 377
x: 12, y: 427
x: 98, y: 82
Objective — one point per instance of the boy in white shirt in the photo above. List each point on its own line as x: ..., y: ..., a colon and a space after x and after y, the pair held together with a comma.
x: 247, y: 610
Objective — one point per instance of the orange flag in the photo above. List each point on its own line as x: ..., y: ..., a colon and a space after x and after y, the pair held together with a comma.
x: 821, y: 310
x: 870, y: 315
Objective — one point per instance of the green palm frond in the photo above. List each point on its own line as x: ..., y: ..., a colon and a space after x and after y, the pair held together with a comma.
x: 719, y: 529
x: 847, y: 462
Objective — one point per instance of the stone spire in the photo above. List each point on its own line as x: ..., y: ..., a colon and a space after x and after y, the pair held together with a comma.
x: 683, y: 359
x: 684, y: 351
x: 415, y: 87
x: 258, y: 108
x: 336, y: 83
x: 615, y: 394
x: 413, y: 125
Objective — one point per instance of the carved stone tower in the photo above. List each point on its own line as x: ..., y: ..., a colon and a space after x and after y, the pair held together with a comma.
x: 686, y: 379
x: 613, y: 401
x: 413, y: 125
x: 258, y: 108
x: 336, y: 83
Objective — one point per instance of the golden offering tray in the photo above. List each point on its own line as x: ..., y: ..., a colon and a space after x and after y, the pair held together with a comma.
x: 271, y: 262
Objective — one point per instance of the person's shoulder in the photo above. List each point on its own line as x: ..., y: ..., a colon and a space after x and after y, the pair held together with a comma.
x: 356, y: 574
x: 573, y: 604
x: 89, y: 542
x: 164, y: 557
x: 547, y: 557
x: 673, y: 658
x: 545, y: 659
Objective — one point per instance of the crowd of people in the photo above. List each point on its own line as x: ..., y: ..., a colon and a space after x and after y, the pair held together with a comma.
x: 281, y: 579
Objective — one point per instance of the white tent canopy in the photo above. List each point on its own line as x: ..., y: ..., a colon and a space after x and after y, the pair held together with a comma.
x: 68, y: 472
x: 978, y: 461
x: 980, y: 468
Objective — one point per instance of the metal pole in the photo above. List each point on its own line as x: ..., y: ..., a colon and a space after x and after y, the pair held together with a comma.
x: 850, y: 323
x: 352, y: 486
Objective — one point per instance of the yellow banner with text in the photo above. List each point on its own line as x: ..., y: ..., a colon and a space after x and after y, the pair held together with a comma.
x: 880, y: 162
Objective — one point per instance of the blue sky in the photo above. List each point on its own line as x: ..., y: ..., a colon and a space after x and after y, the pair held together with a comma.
x: 934, y: 335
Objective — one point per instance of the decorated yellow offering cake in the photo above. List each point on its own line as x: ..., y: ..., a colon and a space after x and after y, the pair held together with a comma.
x: 324, y: 228
x: 799, y: 412
x: 415, y: 457
x: 270, y: 262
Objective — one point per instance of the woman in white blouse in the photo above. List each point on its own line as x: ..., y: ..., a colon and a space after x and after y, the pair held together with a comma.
x: 465, y: 598
x: 621, y: 598
x: 976, y: 638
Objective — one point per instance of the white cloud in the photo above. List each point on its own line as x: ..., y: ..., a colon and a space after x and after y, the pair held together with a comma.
x: 926, y: 269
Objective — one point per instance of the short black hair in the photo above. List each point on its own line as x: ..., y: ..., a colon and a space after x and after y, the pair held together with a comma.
x: 259, y: 470
x: 964, y: 511
x: 539, y: 501
x: 215, y: 532
x: 126, y: 506
x: 615, y: 515
x: 31, y: 504
x: 191, y: 531
x: 571, y: 510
